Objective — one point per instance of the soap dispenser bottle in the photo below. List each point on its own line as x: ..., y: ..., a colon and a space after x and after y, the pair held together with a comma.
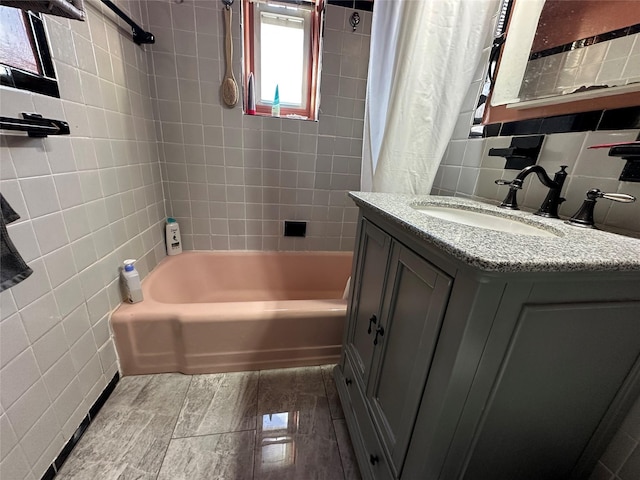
x: 132, y: 284
x: 174, y: 244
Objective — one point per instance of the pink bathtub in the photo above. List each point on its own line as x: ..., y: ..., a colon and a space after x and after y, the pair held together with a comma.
x: 209, y: 312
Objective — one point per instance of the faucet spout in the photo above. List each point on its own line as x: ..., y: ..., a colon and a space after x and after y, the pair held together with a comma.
x: 552, y: 201
x: 542, y: 175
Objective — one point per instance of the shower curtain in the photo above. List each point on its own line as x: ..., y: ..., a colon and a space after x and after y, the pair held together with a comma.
x: 422, y: 60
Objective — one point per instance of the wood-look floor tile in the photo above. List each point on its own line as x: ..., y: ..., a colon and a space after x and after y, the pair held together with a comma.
x: 280, y: 388
x: 225, y: 456
x: 295, y: 437
x: 130, y: 435
x: 285, y: 417
x: 332, y: 393
x: 348, y: 456
x: 219, y: 403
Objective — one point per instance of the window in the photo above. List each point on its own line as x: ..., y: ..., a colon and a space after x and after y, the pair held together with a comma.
x: 25, y: 59
x: 282, y: 48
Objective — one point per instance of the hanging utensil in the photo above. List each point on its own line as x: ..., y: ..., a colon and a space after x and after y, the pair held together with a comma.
x: 229, y: 86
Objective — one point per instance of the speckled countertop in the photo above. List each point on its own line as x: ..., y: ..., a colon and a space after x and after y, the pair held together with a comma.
x: 570, y: 249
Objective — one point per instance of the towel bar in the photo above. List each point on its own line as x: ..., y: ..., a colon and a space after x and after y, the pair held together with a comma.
x: 35, y: 125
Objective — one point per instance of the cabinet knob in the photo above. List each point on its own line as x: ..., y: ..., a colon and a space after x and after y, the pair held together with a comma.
x: 379, y: 331
x: 372, y: 320
x: 373, y: 459
x: 348, y: 381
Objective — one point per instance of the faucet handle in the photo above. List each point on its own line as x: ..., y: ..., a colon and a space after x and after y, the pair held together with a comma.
x: 584, y: 216
x: 510, y: 201
x: 501, y: 181
x: 515, y: 184
x: 618, y: 197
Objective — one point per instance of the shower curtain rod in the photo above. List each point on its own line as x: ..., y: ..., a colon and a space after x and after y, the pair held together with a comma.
x: 140, y: 36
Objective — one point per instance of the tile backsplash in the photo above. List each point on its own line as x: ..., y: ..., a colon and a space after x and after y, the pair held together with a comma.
x: 468, y: 170
x: 232, y: 179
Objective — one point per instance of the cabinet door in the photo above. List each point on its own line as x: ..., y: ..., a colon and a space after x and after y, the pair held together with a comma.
x: 365, y: 307
x: 411, y: 318
x: 564, y: 366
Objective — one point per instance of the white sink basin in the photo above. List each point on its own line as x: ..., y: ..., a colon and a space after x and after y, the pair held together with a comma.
x: 483, y: 220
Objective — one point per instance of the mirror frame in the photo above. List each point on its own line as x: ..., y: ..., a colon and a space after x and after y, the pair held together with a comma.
x: 501, y: 114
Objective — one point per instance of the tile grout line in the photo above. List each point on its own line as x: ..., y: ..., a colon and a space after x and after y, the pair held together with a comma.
x: 331, y: 419
x: 213, y: 433
x: 255, y: 440
x: 174, y: 426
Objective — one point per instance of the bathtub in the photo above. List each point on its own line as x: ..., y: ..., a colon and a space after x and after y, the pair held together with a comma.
x: 211, y: 312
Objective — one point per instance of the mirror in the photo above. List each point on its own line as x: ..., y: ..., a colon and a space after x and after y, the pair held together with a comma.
x: 577, y: 49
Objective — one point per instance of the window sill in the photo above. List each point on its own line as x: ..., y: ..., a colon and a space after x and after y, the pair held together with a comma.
x: 290, y: 116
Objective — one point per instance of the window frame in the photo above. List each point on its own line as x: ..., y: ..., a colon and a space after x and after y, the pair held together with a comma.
x: 45, y: 83
x: 313, y: 59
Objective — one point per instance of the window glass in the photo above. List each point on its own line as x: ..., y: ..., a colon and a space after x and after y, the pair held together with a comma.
x: 281, y: 58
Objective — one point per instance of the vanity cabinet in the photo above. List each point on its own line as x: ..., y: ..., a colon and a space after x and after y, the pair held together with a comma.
x: 399, y: 303
x: 452, y: 372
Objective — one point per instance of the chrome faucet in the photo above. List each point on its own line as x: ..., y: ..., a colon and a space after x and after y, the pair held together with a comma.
x: 552, y: 201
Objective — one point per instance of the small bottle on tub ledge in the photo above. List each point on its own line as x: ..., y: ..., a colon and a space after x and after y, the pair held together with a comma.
x: 174, y: 243
x: 132, y: 284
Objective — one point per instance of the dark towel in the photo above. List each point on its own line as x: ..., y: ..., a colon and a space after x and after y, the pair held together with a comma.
x: 12, y: 267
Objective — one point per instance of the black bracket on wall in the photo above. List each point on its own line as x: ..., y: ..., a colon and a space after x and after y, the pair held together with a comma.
x: 140, y: 35
x: 35, y: 125
x: 630, y: 153
x: 522, y: 152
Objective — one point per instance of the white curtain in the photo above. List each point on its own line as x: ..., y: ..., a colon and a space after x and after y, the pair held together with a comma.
x: 423, y: 57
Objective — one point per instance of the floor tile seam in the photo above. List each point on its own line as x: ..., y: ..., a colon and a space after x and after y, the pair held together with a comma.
x: 333, y: 425
x: 340, y: 449
x: 184, y: 403
x: 175, y: 424
x: 214, y: 433
x: 255, y: 438
x: 220, y: 385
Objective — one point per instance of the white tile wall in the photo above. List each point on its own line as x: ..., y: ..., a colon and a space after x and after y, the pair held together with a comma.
x: 230, y: 179
x: 87, y: 202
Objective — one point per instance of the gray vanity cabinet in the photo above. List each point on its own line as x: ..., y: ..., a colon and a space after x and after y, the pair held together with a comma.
x: 413, y: 308
x: 399, y: 303
x: 375, y: 246
x: 450, y: 372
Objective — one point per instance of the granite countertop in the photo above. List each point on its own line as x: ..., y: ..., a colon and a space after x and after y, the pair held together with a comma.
x: 569, y: 249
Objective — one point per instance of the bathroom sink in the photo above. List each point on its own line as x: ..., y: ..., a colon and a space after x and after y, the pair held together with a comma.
x: 483, y: 220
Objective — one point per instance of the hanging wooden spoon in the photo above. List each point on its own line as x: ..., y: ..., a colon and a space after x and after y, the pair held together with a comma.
x: 229, y: 85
